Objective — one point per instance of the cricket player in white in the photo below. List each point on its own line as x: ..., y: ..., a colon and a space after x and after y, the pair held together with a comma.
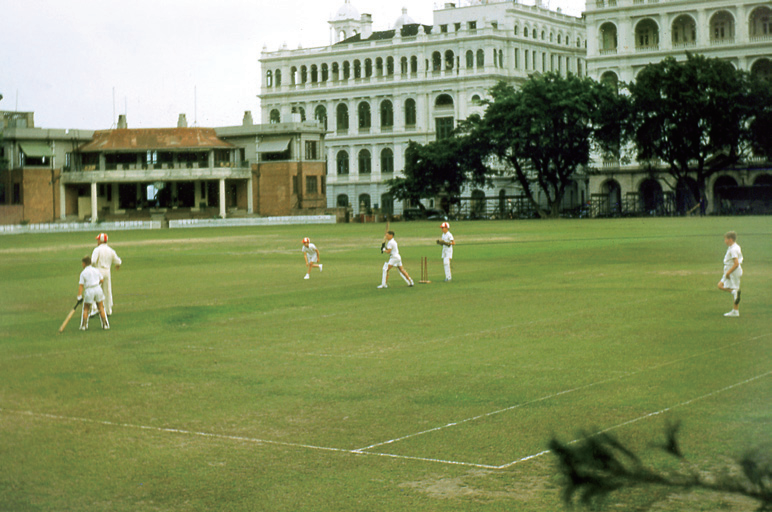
x: 102, y: 259
x: 90, y: 291
x: 392, y: 249
x: 311, y: 254
x: 447, y: 242
x: 733, y: 271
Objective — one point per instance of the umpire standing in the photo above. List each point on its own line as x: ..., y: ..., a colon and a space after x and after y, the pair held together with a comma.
x: 102, y: 259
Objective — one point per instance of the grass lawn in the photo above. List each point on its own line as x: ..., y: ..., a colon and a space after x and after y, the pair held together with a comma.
x: 227, y: 382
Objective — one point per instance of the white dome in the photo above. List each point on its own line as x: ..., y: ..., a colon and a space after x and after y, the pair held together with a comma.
x: 403, y: 20
x: 347, y: 12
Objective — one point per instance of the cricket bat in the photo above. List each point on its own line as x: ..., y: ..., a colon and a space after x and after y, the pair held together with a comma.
x: 69, y: 316
x: 383, y: 244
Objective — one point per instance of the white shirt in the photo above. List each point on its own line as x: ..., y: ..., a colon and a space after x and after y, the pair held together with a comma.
x: 104, y: 257
x: 310, y: 250
x: 447, y: 250
x: 733, y: 252
x: 90, y: 277
x: 392, y: 244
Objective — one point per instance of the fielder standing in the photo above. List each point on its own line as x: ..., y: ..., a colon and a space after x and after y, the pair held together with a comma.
x: 395, y: 260
x: 447, y: 242
x: 311, y: 254
x: 102, y: 259
x: 91, y: 294
x: 733, y: 271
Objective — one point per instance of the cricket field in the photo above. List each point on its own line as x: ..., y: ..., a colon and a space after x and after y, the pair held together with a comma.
x: 227, y: 382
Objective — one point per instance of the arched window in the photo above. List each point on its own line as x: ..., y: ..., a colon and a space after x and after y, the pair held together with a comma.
x: 387, y: 114
x: 379, y: 67
x: 722, y: 27
x: 365, y: 162
x: 436, y: 61
x: 364, y: 203
x: 443, y: 100
x: 469, y: 59
x: 476, y: 101
x: 303, y: 74
x: 342, y: 201
x: 414, y: 64
x: 526, y: 59
x: 516, y: 29
x: 525, y: 31
x: 387, y: 204
x: 357, y: 69
x: 389, y: 66
x: 277, y: 77
x: 269, y: 78
x: 341, y: 117
x: 325, y: 73
x: 335, y: 72
x: 552, y: 36
x: 578, y: 42
x: 387, y: 161
x: 363, y: 113
x: 275, y: 117
x: 293, y: 75
x: 501, y: 58
x: 762, y: 68
x: 684, y: 30
x: 403, y: 66
x: 410, y: 112
x: 646, y: 34
x: 608, y: 38
x: 760, y: 22
x: 320, y: 114
x: 346, y: 70
x: 449, y: 58
x: 368, y: 68
x: 480, y: 58
x: 314, y: 74
x: 301, y: 111
x: 342, y: 163
x: 560, y: 38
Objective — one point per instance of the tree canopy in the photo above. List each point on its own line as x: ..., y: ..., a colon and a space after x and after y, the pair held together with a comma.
x: 691, y: 115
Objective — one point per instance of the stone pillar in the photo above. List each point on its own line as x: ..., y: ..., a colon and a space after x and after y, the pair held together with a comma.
x: 250, y: 194
x: 93, y: 202
x: 222, y: 198
x: 62, y: 201
x: 196, y: 195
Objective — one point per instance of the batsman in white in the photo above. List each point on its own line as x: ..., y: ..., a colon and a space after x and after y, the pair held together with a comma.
x: 90, y: 291
x: 447, y: 242
x: 311, y: 254
x: 102, y: 259
x: 395, y: 260
x: 733, y: 271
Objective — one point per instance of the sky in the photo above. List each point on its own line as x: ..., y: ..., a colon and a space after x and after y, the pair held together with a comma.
x: 81, y: 63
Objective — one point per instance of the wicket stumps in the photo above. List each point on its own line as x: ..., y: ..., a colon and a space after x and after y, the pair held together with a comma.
x: 424, y: 271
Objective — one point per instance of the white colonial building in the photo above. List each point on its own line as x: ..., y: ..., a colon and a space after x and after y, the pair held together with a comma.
x: 376, y: 90
x: 623, y: 36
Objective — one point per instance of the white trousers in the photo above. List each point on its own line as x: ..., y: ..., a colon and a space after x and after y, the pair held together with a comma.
x: 446, y: 264
x: 107, y: 288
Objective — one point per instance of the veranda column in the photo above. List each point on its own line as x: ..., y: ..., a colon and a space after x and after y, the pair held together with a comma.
x: 62, y: 199
x: 222, y: 198
x: 93, y: 202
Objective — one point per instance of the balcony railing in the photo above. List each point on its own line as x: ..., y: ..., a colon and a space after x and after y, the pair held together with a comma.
x: 722, y: 41
x: 608, y: 51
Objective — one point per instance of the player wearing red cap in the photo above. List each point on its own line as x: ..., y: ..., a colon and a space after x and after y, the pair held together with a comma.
x: 447, y: 242
x: 311, y: 254
x: 102, y: 259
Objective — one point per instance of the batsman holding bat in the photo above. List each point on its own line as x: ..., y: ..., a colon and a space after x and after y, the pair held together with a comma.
x: 90, y: 291
x: 392, y: 249
x: 447, y: 242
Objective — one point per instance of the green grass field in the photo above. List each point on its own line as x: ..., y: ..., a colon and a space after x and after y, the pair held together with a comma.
x: 227, y: 382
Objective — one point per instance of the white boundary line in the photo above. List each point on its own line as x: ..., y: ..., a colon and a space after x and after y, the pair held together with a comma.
x: 559, y: 393
x: 360, y: 452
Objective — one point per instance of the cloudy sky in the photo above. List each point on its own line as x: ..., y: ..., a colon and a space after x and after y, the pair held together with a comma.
x: 67, y: 59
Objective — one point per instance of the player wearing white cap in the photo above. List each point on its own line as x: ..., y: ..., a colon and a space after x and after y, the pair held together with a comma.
x: 102, y: 259
x: 395, y: 260
x: 447, y: 242
x: 311, y: 254
x: 91, y: 294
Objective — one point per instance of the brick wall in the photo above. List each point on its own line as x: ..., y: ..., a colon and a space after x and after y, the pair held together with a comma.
x: 11, y: 214
x: 41, y: 203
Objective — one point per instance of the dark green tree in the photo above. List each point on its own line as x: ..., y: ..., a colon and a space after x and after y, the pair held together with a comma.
x: 760, y: 131
x: 691, y: 115
x: 437, y: 169
x: 543, y: 133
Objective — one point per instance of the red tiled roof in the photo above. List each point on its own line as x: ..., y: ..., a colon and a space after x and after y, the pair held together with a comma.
x: 143, y: 139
